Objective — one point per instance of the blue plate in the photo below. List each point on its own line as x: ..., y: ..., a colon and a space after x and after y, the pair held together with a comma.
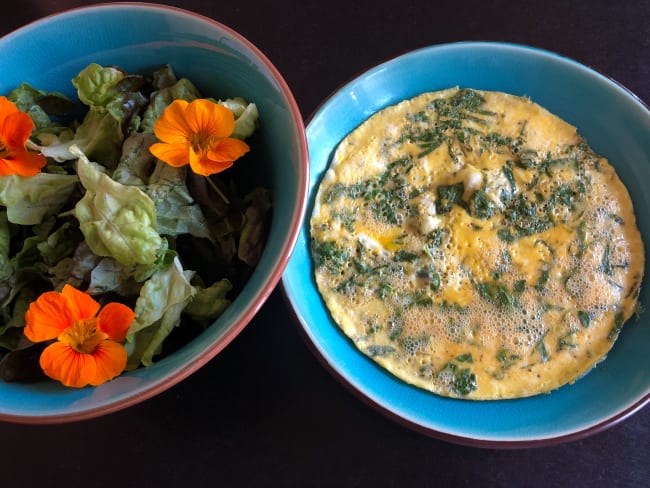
x: 614, y: 122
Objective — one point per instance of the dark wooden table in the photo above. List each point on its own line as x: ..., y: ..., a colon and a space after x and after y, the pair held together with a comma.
x: 265, y: 412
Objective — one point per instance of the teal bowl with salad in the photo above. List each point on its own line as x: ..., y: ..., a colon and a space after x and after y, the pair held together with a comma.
x: 124, y: 269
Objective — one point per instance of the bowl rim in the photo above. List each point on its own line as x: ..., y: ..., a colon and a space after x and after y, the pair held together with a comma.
x: 155, y: 387
x: 348, y: 383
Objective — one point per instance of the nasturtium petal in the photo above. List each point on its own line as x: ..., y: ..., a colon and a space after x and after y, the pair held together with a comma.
x: 206, y: 167
x: 206, y: 117
x: 227, y: 150
x: 16, y: 129
x: 110, y: 361
x: 61, y: 362
x: 6, y: 109
x: 48, y: 316
x: 173, y: 154
x: 81, y: 304
x: 197, y: 133
x: 114, y: 320
x: 21, y: 163
x: 173, y: 127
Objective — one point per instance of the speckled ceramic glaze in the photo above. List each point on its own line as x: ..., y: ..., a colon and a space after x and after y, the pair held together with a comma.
x: 221, y: 63
x: 615, y: 123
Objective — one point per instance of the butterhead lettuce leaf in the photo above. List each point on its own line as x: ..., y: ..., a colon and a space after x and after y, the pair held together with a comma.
x: 118, y: 221
x: 99, y: 136
x: 176, y: 210
x: 74, y: 270
x: 95, y: 84
x: 210, y: 303
x: 158, y: 310
x: 246, y: 116
x: 136, y: 162
x: 29, y: 200
x: 6, y: 269
x: 39, y: 105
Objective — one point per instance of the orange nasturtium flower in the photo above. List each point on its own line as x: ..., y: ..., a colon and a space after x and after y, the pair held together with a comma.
x: 197, y: 133
x: 15, y: 129
x: 88, y: 349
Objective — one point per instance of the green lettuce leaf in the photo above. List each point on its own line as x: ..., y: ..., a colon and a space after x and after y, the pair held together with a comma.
x: 246, y: 116
x: 210, y: 303
x: 14, y: 318
x: 39, y: 105
x: 29, y: 200
x: 256, y: 223
x: 25, y: 97
x: 163, y: 77
x: 28, y: 256
x: 118, y: 221
x: 136, y: 162
x: 29, y: 271
x: 59, y: 244
x: 158, y: 310
x: 176, y: 210
x: 95, y: 84
x: 112, y: 276
x: 42, y: 256
x: 74, y: 270
x: 99, y: 137
x: 108, y: 275
x: 19, y: 307
x: 166, y: 256
x: 6, y: 269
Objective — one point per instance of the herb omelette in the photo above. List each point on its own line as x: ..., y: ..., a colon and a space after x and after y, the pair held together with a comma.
x: 472, y: 244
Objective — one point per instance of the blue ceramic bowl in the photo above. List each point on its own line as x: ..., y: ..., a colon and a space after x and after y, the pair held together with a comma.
x: 139, y: 38
x: 614, y: 122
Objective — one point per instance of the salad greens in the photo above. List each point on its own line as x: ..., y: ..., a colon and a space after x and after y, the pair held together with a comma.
x: 108, y: 218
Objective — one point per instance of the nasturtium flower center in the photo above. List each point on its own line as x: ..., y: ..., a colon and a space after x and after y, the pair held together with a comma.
x: 83, y: 335
x: 200, y: 142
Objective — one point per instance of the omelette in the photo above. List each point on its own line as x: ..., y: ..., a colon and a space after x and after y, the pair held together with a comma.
x: 474, y: 245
